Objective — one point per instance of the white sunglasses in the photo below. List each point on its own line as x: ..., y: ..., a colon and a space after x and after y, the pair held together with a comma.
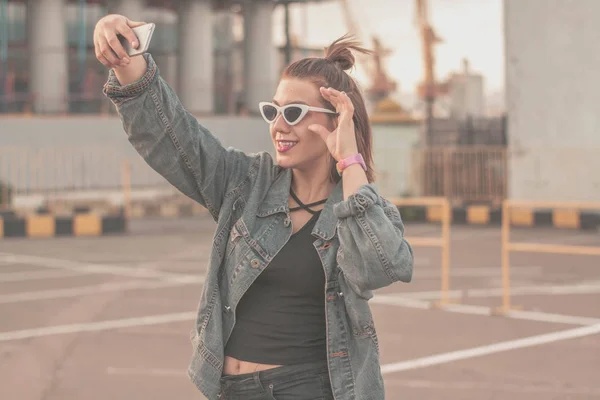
x: 292, y: 113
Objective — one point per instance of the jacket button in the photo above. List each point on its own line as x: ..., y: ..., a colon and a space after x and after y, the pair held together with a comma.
x: 286, y: 222
x: 255, y: 263
x: 227, y: 308
x: 341, y: 294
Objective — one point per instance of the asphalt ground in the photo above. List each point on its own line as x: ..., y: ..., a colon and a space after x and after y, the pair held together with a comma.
x: 110, y: 317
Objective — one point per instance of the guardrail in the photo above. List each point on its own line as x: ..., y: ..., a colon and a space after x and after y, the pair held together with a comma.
x: 443, y: 242
x: 564, y: 214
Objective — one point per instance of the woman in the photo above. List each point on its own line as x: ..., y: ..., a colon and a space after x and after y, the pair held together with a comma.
x: 301, y: 241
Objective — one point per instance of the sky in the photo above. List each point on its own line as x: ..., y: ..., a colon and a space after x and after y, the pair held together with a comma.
x: 469, y: 28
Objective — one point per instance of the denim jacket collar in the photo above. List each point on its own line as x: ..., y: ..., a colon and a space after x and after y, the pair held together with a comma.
x: 276, y: 201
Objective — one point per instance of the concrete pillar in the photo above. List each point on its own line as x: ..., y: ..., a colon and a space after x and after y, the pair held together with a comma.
x: 260, y: 54
x: 132, y: 9
x: 224, y: 74
x: 195, y: 57
x: 48, y: 69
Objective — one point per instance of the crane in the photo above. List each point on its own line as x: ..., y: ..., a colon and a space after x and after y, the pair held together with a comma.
x: 429, y: 89
x: 381, y: 85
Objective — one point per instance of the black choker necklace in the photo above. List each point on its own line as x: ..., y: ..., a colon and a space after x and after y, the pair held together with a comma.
x: 304, y: 206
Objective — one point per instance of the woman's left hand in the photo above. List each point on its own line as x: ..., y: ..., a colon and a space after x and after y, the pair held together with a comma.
x: 342, y: 141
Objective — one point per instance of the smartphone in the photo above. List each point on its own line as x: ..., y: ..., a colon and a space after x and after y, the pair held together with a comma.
x: 144, y: 35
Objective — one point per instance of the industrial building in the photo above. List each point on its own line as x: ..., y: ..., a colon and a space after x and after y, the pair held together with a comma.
x: 47, y: 62
x: 220, y: 58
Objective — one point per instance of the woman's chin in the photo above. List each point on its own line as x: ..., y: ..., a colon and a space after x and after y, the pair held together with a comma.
x: 285, y: 161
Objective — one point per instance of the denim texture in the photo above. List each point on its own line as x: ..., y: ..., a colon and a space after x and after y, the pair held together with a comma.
x: 308, y: 381
x: 360, y: 241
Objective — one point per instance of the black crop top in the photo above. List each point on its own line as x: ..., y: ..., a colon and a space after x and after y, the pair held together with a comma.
x: 280, y: 320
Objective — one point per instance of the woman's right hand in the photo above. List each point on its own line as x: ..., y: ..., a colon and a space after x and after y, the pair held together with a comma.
x: 107, y: 46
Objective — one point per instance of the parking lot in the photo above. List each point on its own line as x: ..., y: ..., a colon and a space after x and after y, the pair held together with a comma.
x: 110, y: 317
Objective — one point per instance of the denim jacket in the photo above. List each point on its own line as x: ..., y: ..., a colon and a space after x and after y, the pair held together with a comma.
x: 360, y: 241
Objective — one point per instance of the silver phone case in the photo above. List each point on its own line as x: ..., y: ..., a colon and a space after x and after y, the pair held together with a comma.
x: 144, y: 35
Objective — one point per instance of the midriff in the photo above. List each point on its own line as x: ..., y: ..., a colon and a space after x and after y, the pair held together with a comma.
x: 233, y: 366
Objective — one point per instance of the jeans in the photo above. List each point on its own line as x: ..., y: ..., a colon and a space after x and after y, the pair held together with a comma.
x: 308, y: 381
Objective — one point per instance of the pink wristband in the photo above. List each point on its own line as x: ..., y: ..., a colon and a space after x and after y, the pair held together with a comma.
x: 346, y: 162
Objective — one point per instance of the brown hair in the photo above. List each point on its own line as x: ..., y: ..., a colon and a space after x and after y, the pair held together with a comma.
x: 329, y: 71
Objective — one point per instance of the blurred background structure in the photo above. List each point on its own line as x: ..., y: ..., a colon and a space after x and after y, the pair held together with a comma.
x: 221, y: 57
x: 487, y: 107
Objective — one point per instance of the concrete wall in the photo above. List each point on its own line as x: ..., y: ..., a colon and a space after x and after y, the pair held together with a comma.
x: 553, y: 93
x: 250, y: 134
x: 393, y: 146
x: 80, y: 152
x: 76, y: 153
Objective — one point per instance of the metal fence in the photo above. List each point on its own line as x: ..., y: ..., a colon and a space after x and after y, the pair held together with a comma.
x: 60, y: 176
x: 48, y: 174
x: 470, y: 131
x: 464, y: 175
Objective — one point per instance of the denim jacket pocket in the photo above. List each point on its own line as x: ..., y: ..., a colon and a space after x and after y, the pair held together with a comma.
x: 234, y: 238
x: 242, y: 251
x: 237, y: 251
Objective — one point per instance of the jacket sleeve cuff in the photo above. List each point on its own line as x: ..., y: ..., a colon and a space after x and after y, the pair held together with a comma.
x: 357, y: 203
x: 119, y: 93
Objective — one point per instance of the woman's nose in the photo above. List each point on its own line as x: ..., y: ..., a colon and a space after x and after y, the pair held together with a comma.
x: 280, y: 125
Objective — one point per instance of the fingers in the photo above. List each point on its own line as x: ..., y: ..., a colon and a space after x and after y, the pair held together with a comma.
x: 103, y: 60
x: 342, y: 103
x: 135, y: 24
x: 319, y: 130
x: 117, y: 48
x: 331, y: 92
x: 128, y: 34
x: 105, y: 51
x: 110, y: 52
x: 107, y: 44
x: 339, y: 100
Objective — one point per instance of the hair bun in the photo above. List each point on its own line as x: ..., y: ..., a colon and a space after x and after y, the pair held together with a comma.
x: 342, y: 58
x: 340, y: 52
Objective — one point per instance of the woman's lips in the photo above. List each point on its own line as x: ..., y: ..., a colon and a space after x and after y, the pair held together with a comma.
x: 285, y: 145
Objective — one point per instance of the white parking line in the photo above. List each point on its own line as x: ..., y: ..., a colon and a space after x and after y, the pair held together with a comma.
x: 36, y: 275
x: 578, y: 288
x: 91, y: 290
x: 97, y: 326
x: 476, y: 272
x: 485, y: 311
x: 490, y: 349
x: 167, y: 318
x: 93, y: 268
x: 577, y: 238
x: 556, y: 318
x: 155, y: 372
x: 551, y: 389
